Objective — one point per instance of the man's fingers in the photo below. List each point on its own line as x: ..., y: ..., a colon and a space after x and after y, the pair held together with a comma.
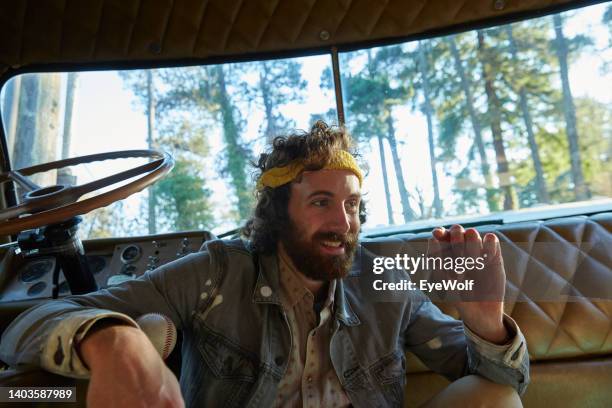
x: 441, y: 234
x: 490, y: 246
x: 473, y: 243
x: 433, y: 247
x: 457, y: 240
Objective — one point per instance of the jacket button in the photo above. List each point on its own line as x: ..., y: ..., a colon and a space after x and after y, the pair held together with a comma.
x: 279, y: 361
x: 265, y: 291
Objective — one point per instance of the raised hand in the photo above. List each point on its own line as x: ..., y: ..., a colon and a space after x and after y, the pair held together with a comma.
x: 481, y: 307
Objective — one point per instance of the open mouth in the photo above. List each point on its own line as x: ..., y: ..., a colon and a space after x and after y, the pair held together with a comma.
x: 332, y: 247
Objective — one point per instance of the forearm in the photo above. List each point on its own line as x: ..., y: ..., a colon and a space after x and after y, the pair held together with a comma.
x: 110, y: 338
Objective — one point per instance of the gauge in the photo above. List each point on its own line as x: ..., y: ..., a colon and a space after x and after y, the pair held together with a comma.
x: 130, y: 254
x: 129, y: 270
x: 37, y: 288
x: 36, y: 269
x: 96, y: 263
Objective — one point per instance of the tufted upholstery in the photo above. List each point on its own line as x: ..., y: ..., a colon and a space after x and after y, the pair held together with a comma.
x: 94, y: 31
x: 559, y: 290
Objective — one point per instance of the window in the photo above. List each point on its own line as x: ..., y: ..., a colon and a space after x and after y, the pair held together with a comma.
x: 214, y: 120
x: 485, y: 121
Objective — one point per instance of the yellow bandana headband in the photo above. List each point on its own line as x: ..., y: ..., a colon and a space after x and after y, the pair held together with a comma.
x: 277, y: 176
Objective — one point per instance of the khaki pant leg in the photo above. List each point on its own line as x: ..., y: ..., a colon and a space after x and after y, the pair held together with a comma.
x: 474, y: 391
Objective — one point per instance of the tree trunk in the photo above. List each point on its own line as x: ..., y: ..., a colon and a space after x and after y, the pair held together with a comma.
x: 581, y: 190
x: 494, y: 110
x: 64, y: 175
x: 48, y: 121
x: 428, y: 111
x: 69, y: 106
x: 383, y: 163
x: 152, y: 221
x: 23, y: 153
x: 541, y: 189
x: 469, y: 101
x: 38, y: 124
x: 407, y: 212
x: 11, y: 111
x: 235, y: 153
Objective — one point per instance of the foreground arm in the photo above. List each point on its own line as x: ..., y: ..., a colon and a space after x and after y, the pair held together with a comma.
x: 126, y: 370
x: 95, y: 334
x: 46, y: 334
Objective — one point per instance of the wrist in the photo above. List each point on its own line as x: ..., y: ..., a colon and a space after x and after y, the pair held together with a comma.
x: 105, y: 339
x: 494, y: 332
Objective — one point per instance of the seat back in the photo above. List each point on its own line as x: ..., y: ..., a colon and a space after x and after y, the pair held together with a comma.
x: 559, y: 290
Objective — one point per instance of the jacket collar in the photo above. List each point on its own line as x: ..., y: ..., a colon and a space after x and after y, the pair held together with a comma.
x: 267, y: 288
x: 344, y: 312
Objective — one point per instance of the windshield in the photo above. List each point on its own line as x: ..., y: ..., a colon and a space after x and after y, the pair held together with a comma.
x: 479, y: 123
x: 214, y: 120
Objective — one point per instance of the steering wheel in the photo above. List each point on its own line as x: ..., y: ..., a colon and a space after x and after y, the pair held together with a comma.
x: 47, y: 205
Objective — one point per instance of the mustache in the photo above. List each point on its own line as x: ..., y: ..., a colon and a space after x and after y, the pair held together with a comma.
x: 346, y: 239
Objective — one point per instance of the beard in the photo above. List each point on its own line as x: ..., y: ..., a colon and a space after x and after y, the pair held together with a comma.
x: 307, y: 257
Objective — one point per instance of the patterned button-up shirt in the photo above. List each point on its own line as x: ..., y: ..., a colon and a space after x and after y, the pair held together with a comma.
x: 310, y: 379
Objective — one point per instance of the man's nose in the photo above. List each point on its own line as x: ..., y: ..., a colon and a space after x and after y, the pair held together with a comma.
x: 339, y: 220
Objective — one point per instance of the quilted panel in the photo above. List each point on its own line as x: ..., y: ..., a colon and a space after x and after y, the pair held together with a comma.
x: 559, y: 282
x: 94, y: 31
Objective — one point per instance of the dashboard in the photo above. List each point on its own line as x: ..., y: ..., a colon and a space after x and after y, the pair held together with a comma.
x: 112, y: 261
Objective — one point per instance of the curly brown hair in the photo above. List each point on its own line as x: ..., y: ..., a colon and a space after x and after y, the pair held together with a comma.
x: 314, y: 149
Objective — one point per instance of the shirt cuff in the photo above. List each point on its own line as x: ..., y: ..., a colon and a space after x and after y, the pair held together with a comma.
x: 510, y: 354
x: 59, y: 354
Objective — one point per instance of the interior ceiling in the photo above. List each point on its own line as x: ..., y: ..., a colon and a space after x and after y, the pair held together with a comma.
x: 97, y: 32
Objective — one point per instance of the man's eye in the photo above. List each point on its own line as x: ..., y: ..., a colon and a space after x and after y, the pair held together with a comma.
x: 320, y: 203
x: 352, y: 205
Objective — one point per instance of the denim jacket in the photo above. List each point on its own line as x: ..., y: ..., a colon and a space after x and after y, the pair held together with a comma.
x: 236, y: 338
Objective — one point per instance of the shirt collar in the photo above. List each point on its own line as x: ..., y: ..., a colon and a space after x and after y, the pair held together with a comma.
x: 292, y: 287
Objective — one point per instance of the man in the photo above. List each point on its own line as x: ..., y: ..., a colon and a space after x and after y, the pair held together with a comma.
x: 285, y: 318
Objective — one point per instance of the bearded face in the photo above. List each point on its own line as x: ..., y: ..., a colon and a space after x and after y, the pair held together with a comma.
x: 321, y: 236
x: 323, y: 256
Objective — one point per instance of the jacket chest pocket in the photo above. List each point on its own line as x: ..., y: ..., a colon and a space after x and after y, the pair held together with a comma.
x: 230, y: 372
x: 227, y: 361
x: 390, y: 374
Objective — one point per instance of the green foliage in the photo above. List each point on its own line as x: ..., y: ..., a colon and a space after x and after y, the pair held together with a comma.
x: 192, y: 104
x: 451, y: 125
x: 531, y: 70
x: 182, y: 199
x: 595, y: 130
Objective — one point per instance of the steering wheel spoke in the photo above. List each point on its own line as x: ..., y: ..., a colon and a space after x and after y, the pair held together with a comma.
x: 24, y: 182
